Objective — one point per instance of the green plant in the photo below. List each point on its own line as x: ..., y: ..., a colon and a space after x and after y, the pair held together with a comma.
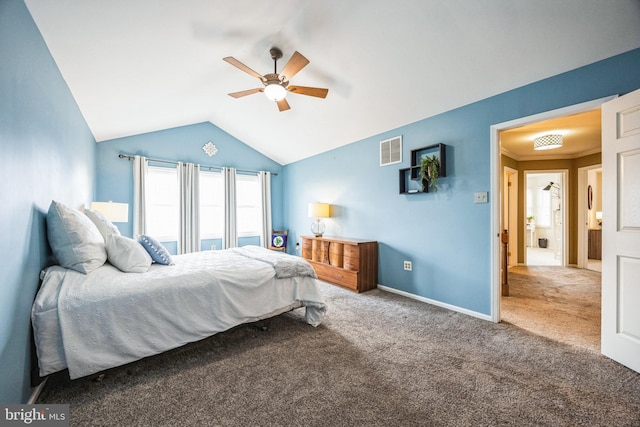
x: 530, y: 218
x: 430, y: 171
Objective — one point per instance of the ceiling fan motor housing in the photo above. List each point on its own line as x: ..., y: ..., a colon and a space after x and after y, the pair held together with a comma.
x: 274, y: 79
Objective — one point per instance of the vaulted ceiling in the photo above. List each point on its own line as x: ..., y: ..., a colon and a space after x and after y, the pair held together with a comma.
x: 145, y: 65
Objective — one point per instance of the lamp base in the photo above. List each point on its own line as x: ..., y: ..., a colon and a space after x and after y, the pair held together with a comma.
x: 318, y: 228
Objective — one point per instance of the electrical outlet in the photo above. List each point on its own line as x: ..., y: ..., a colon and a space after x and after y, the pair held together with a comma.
x: 480, y: 197
x: 408, y: 266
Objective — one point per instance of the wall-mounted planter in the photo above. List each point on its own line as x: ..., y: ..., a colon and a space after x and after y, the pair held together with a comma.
x: 410, y: 181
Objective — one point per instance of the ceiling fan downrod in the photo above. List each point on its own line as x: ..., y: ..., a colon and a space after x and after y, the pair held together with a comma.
x: 275, y: 55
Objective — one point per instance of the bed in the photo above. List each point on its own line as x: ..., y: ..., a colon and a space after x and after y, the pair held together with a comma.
x: 88, y: 322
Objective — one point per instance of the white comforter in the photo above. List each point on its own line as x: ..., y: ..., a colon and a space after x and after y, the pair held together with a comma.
x: 108, y: 318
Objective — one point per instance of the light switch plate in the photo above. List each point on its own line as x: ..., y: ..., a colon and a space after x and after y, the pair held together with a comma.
x: 480, y: 197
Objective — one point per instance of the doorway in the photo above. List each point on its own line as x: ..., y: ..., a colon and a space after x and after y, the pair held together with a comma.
x: 545, y: 211
x: 590, y: 217
x: 497, y: 177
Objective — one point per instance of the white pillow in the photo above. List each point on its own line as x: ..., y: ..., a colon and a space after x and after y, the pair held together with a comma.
x: 74, y: 239
x: 127, y: 254
x: 105, y: 227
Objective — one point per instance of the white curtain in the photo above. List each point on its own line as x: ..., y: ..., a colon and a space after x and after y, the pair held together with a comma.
x: 230, y: 239
x: 189, y: 231
x: 139, y: 189
x: 265, y: 190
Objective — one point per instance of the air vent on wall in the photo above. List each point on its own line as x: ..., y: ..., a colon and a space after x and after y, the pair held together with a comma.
x: 391, y: 151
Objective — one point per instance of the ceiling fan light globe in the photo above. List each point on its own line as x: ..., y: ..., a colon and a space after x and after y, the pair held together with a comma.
x: 275, y: 92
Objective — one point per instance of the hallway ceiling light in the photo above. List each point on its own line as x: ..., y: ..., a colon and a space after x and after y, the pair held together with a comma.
x: 547, y: 142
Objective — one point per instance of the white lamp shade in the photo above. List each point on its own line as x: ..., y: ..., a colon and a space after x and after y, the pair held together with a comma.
x: 114, y: 212
x: 319, y: 210
x: 275, y: 92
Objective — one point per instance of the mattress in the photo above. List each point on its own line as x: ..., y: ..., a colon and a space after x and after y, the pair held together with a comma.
x: 89, y: 323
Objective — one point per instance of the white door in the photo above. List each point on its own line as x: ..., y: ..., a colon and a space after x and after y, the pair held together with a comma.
x: 621, y: 230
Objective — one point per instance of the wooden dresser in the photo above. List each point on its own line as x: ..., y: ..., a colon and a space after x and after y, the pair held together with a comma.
x: 350, y: 263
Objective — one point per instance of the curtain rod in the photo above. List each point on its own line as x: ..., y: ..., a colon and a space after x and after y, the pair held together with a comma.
x: 171, y: 162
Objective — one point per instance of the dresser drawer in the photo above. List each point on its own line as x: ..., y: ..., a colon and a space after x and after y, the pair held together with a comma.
x: 337, y: 276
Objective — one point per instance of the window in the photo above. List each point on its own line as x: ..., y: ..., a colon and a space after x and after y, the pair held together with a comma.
x: 162, y: 203
x: 543, y: 218
x: 211, y: 205
x: 529, y: 204
x: 248, y: 205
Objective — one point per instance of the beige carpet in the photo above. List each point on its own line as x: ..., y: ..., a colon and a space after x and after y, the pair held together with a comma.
x: 377, y: 359
x: 559, y: 303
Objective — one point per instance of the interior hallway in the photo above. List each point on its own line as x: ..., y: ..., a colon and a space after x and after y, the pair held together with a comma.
x: 559, y: 303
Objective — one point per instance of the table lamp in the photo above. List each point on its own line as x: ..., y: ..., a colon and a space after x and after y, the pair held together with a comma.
x: 319, y: 210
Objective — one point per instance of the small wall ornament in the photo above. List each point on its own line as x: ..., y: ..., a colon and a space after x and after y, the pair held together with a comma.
x: 210, y: 149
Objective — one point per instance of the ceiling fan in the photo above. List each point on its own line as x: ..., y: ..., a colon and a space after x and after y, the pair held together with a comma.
x: 276, y: 85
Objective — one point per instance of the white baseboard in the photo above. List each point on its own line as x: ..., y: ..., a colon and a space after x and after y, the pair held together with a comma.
x: 437, y: 303
x: 35, y: 392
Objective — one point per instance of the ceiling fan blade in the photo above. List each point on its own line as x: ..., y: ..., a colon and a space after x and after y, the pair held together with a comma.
x: 283, y: 105
x: 311, y: 91
x: 296, y: 63
x: 246, y: 92
x: 233, y: 61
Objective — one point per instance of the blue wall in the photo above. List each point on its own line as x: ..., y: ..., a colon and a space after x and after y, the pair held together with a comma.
x: 444, y: 234
x: 47, y: 152
x: 115, y: 175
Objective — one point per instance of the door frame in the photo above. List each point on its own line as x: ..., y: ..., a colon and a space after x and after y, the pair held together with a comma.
x: 510, y: 208
x: 495, y: 178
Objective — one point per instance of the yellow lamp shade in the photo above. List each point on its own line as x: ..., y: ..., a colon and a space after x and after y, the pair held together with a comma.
x: 319, y: 210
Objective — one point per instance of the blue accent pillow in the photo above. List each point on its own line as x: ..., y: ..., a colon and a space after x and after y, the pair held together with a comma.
x: 158, y: 253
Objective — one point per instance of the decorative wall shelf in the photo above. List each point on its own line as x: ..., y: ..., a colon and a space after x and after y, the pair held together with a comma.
x: 409, y: 185
x: 409, y: 178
